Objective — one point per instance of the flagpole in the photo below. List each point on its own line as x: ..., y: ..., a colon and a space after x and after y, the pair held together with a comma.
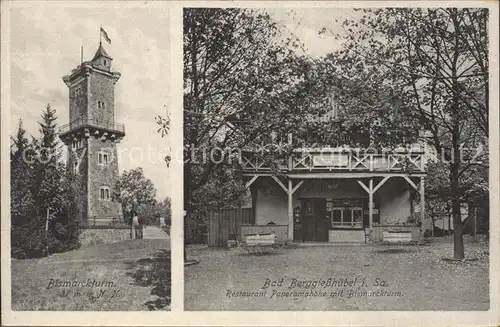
x: 81, y: 55
x: 100, y: 35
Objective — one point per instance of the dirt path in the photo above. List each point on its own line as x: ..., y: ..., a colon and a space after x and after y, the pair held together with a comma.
x: 414, y: 279
x: 154, y: 233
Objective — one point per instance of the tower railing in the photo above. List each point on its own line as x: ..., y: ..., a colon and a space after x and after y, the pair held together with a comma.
x: 92, y: 122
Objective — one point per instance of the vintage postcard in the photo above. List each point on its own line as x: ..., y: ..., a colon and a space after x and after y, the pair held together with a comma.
x: 89, y: 195
x: 250, y: 163
x: 337, y: 158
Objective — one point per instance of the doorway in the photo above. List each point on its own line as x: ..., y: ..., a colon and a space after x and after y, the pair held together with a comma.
x: 314, y: 220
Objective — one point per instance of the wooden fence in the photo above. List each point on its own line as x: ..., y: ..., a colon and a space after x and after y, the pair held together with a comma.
x: 225, y: 223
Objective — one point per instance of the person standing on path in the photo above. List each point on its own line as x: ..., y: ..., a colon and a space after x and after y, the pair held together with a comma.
x: 163, y: 223
x: 136, y: 225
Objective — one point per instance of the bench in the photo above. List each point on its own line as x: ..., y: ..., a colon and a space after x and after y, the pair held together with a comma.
x: 260, y: 243
x: 400, y: 237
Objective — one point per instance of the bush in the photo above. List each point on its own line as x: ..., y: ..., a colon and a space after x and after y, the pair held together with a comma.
x: 28, y: 241
x: 64, y: 232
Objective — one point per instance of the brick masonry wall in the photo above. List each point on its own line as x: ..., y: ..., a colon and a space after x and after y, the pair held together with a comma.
x: 101, y: 88
x: 78, y: 104
x: 103, y: 236
x: 100, y: 175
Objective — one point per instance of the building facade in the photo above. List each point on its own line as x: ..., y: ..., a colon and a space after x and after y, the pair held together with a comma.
x: 92, y: 136
x: 337, y: 194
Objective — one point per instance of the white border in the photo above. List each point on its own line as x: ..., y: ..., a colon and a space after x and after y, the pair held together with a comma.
x: 246, y: 318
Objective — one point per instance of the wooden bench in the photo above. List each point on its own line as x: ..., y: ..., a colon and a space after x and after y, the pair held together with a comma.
x: 260, y: 243
x: 399, y: 237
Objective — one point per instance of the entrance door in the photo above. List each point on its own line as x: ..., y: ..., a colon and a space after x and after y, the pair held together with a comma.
x: 314, y: 220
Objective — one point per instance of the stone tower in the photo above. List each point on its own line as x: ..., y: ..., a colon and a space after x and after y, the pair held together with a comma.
x: 92, y: 134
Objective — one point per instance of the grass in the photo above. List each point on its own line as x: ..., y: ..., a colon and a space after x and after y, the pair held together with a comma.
x: 118, y: 265
x: 424, y: 281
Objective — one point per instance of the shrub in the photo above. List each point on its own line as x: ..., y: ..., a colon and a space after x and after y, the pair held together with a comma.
x: 28, y: 240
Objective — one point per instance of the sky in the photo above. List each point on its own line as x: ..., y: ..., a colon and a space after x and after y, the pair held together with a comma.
x: 46, y: 44
x: 305, y: 24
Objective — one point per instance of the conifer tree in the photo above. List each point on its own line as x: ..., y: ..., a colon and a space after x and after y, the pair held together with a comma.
x: 26, y: 232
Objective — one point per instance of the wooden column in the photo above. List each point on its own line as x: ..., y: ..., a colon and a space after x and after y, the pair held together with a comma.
x: 370, y: 189
x: 422, y: 199
x: 422, y: 209
x: 370, y: 203
x: 290, y: 210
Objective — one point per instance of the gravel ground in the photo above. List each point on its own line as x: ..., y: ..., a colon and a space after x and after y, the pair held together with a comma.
x: 396, y: 278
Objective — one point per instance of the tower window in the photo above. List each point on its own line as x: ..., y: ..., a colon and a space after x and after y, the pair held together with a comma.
x: 78, y: 91
x: 101, y: 105
x: 75, y: 168
x: 77, y: 144
x: 103, y: 159
x: 105, y: 62
x: 104, y: 193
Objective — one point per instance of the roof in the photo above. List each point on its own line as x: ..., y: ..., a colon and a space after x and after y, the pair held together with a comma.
x: 101, y: 53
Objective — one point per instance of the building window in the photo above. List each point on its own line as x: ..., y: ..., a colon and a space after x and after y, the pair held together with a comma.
x: 103, y: 159
x: 101, y: 105
x: 104, y: 193
x: 77, y: 144
x: 347, y: 217
x: 75, y: 168
x: 77, y: 91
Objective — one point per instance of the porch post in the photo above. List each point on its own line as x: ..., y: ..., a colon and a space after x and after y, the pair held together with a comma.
x: 370, y: 203
x: 422, y: 207
x: 290, y: 210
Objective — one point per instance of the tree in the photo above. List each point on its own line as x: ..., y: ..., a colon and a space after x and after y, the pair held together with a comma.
x: 134, y: 191
x: 48, y: 168
x: 150, y: 212
x: 437, y: 60
x: 51, y: 187
x: 65, y: 225
x: 239, y: 82
x: 21, y: 174
x: 39, y: 187
x: 24, y: 242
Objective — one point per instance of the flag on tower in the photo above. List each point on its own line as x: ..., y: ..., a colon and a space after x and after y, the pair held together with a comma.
x: 106, y: 37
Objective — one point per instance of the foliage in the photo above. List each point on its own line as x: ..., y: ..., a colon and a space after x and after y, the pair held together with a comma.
x: 164, y: 129
x: 39, y: 186
x: 49, y: 171
x: 21, y: 175
x: 240, y: 79
x: 27, y: 232
x: 152, y: 212
x: 436, y: 60
x: 134, y: 191
x: 65, y: 228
